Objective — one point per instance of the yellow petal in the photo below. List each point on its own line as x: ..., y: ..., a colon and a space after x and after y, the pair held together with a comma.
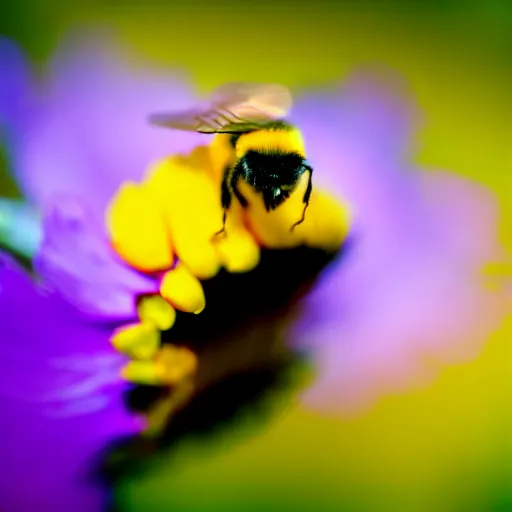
x: 158, y: 311
x: 183, y: 290
x: 137, y: 229
x: 192, y: 209
x: 139, y: 341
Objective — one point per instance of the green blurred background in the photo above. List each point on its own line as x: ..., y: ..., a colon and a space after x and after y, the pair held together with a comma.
x: 447, y: 448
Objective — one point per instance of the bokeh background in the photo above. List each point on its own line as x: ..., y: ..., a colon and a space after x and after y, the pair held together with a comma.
x: 447, y: 447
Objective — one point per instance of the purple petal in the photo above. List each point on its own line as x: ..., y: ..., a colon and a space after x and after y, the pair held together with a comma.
x: 370, y: 115
x: 91, y: 132
x: 411, y: 288
x: 76, y: 262
x: 408, y: 297
x: 61, y: 397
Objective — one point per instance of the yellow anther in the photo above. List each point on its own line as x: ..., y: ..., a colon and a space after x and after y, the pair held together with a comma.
x: 172, y: 365
x: 154, y: 309
x: 192, y: 209
x: 150, y: 373
x: 139, y: 341
x: 137, y: 229
x: 179, y: 363
x: 183, y: 290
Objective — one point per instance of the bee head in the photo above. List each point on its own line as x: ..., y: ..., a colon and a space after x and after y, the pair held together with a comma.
x: 274, y: 174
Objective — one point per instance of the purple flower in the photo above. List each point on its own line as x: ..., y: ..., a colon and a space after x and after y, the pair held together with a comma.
x: 408, y: 290
x: 60, y: 396
x: 413, y: 292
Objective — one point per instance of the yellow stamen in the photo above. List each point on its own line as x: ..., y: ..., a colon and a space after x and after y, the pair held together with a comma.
x: 144, y: 372
x: 158, y: 311
x: 137, y: 229
x: 179, y: 362
x: 139, y: 341
x: 172, y: 365
x: 183, y: 290
x: 191, y: 208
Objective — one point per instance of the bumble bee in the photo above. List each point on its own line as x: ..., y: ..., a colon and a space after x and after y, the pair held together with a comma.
x: 267, y: 151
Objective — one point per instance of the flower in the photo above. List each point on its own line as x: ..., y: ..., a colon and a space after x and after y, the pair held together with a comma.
x: 416, y: 291
x: 409, y: 289
x: 60, y: 389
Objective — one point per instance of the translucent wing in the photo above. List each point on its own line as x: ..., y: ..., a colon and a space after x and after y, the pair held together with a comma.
x: 234, y: 107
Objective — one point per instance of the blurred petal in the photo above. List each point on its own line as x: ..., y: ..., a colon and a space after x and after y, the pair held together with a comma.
x: 392, y: 312
x: 76, y: 262
x: 20, y: 227
x: 61, y: 397
x: 90, y: 132
x: 371, y: 113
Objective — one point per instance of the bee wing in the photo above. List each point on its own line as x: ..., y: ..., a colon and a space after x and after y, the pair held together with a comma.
x: 234, y: 107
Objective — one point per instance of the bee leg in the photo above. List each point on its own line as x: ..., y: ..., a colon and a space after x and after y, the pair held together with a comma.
x: 307, y: 196
x: 301, y: 219
x: 226, y: 203
x: 223, y: 230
